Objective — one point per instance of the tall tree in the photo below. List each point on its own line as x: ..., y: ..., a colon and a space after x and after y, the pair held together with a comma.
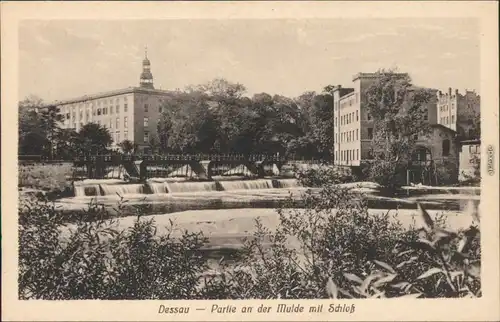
x: 398, y: 110
x: 93, y: 139
x: 38, y: 127
x: 321, y: 133
x: 221, y: 91
x: 187, y: 124
x: 32, y: 138
x: 65, y: 144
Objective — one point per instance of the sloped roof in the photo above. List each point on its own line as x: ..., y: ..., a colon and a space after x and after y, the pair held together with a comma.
x: 126, y: 90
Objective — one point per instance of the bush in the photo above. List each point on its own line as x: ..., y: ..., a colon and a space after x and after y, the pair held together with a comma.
x: 318, y: 177
x: 440, y: 263
x: 333, y: 234
x: 447, y: 173
x: 45, y: 176
x: 390, y: 175
x: 332, y: 248
x: 94, y: 260
x: 340, y: 250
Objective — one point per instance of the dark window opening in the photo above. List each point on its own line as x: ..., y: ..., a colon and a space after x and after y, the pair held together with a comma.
x: 446, y: 148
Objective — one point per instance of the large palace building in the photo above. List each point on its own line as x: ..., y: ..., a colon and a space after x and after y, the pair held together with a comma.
x: 129, y: 114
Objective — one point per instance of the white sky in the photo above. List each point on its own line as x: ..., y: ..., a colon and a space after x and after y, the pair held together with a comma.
x: 64, y: 59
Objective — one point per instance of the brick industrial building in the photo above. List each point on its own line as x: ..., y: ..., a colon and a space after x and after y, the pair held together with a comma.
x: 129, y: 114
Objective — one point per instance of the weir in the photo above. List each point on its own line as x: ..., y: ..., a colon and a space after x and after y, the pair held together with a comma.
x: 166, y: 187
x: 246, y: 184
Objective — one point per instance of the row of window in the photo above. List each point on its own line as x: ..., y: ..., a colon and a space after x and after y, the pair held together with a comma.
x: 446, y: 120
x: 109, y: 101
x: 347, y: 101
x: 110, y: 124
x: 146, y: 108
x: 474, y: 149
x: 99, y: 111
x: 444, y: 108
x: 347, y: 155
x: 349, y: 118
x: 119, y: 139
x: 348, y: 136
x: 104, y: 111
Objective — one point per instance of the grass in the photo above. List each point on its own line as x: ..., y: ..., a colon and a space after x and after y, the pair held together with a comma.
x: 47, y: 177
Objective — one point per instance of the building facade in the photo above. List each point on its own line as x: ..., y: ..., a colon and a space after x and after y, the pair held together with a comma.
x: 129, y: 114
x: 353, y: 125
x: 436, y: 157
x: 457, y: 111
x: 470, y: 154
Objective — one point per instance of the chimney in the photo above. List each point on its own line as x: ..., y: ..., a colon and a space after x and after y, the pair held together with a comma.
x: 449, y: 91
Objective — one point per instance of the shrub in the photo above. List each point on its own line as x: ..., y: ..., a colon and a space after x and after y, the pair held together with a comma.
x: 334, y: 233
x: 45, y: 176
x: 390, y: 175
x: 335, y: 248
x: 332, y: 248
x: 92, y: 259
x: 446, y: 173
x: 473, y: 178
x: 318, y: 177
x: 440, y: 263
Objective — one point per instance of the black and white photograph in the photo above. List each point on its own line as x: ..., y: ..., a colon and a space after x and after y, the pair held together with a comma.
x: 250, y: 159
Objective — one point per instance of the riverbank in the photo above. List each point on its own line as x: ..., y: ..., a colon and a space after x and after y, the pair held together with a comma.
x: 227, y: 228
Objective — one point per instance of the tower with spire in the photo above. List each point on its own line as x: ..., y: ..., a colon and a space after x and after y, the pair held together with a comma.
x: 146, y: 80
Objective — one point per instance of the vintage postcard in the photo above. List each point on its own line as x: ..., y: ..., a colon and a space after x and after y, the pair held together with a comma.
x: 250, y: 161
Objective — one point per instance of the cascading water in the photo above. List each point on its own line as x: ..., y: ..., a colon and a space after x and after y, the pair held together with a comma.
x: 287, y: 183
x: 163, y: 187
x: 87, y: 190
x: 181, y: 187
x: 158, y: 187
x: 123, y: 189
x: 246, y: 184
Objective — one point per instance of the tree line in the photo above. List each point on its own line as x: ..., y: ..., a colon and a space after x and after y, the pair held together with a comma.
x: 215, y: 117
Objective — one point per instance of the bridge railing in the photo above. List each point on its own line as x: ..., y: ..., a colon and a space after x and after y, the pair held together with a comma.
x: 185, y: 157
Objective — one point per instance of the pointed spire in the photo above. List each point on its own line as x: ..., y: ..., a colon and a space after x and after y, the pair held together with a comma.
x: 146, y: 79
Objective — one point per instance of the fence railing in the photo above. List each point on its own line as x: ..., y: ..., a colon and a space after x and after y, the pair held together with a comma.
x: 175, y: 157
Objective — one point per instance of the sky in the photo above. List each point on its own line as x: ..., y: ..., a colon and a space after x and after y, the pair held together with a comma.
x: 61, y: 59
